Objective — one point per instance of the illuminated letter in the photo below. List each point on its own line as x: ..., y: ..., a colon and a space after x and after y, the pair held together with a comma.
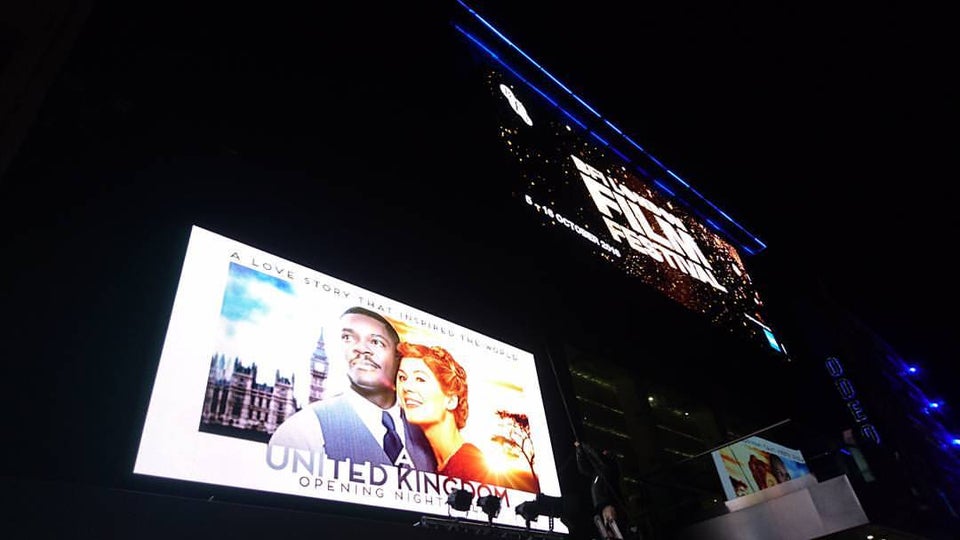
x: 629, y: 213
x: 588, y: 170
x: 378, y: 475
x: 846, y: 388
x: 404, y: 459
x: 870, y: 433
x: 856, y: 410
x: 834, y: 367
x: 685, y: 244
x: 602, y: 196
x: 402, y: 481
x: 648, y: 230
x: 283, y: 464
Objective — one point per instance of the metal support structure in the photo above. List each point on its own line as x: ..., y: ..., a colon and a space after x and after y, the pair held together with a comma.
x: 482, y: 528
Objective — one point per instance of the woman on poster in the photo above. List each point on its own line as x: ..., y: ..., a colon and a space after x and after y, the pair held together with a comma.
x: 432, y: 389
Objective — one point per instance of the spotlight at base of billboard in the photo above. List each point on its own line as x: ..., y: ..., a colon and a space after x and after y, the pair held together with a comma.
x: 460, y: 499
x: 490, y: 504
x: 529, y: 511
x: 253, y: 390
x: 550, y: 506
x: 543, y: 505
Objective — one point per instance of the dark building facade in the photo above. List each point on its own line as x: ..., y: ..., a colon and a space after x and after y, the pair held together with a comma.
x: 880, y: 422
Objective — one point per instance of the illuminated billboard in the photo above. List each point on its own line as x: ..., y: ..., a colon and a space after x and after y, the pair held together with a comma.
x: 574, y: 183
x: 278, y: 378
x: 620, y: 204
x: 755, y: 464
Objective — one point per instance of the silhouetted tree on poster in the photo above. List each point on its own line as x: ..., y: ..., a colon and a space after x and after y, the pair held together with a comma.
x: 517, y: 437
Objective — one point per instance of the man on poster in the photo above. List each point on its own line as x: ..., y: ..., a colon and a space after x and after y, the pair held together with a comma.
x: 365, y: 423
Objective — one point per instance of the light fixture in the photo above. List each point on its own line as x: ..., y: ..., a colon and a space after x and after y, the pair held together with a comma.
x: 543, y: 505
x: 550, y: 506
x: 490, y: 504
x: 529, y: 510
x: 460, y: 499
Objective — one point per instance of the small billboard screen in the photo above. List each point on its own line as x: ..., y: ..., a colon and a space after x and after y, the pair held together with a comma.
x: 755, y: 464
x: 278, y: 378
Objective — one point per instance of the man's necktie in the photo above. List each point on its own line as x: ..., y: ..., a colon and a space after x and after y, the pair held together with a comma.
x: 391, y: 441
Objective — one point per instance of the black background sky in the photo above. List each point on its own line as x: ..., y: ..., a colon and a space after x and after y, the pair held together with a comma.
x: 827, y: 130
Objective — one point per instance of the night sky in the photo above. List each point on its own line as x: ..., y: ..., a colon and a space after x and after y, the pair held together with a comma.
x: 829, y: 131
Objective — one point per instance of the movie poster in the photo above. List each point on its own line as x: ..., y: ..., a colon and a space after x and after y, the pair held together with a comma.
x: 755, y: 464
x: 274, y: 377
x: 573, y: 181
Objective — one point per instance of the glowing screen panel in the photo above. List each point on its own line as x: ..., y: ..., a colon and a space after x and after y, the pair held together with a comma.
x: 275, y: 377
x: 573, y: 180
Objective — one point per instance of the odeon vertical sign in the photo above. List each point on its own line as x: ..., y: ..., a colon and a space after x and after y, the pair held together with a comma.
x: 848, y: 393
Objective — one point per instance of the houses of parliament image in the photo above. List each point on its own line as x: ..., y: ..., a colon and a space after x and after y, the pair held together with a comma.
x: 236, y: 404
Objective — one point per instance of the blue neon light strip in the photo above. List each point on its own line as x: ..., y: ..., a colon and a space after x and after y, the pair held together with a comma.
x: 664, y: 187
x: 493, y: 55
x: 660, y: 184
x: 592, y: 110
x: 681, y: 180
x: 599, y: 138
x: 568, y: 115
x: 631, y: 141
x: 715, y: 207
x: 619, y: 153
x: 532, y: 61
x: 611, y: 147
x: 613, y: 127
